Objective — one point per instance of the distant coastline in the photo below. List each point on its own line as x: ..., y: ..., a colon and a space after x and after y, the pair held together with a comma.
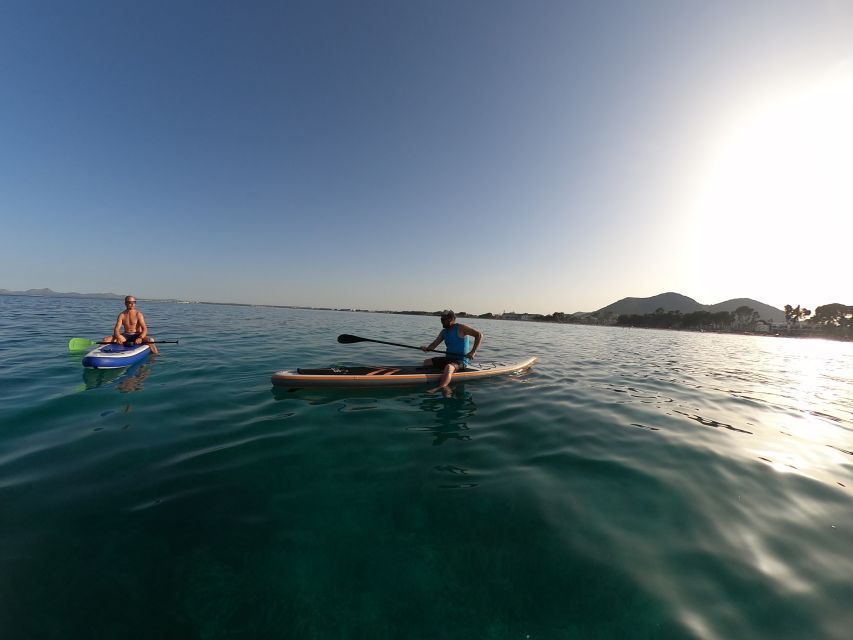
x: 50, y: 293
x: 743, y: 320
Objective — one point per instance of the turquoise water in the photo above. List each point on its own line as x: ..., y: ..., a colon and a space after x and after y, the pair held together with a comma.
x: 642, y: 484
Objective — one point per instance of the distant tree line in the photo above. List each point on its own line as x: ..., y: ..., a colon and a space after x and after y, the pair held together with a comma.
x: 744, y: 318
x: 830, y: 320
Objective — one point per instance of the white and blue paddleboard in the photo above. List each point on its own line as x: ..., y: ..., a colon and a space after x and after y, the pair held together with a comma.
x: 115, y: 356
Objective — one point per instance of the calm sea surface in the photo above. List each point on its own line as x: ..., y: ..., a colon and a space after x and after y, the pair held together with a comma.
x: 634, y: 484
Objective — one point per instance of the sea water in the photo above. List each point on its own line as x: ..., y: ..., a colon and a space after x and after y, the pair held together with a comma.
x: 633, y: 484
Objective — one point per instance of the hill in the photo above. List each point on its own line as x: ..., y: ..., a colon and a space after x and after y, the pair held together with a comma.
x: 678, y: 302
x: 765, y: 311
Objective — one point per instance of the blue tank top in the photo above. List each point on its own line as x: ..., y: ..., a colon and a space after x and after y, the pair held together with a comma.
x: 456, y: 343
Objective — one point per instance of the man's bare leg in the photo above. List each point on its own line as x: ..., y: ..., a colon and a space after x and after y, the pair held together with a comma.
x: 446, y: 376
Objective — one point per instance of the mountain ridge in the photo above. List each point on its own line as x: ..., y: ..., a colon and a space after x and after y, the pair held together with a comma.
x: 671, y: 301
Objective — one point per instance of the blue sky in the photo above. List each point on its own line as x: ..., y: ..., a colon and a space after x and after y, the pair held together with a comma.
x: 485, y: 156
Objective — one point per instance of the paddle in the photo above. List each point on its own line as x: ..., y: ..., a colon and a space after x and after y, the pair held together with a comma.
x: 79, y: 344
x: 346, y: 338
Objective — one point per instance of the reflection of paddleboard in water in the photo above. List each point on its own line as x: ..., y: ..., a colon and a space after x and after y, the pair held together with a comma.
x: 451, y: 413
x: 126, y: 378
x: 390, y: 375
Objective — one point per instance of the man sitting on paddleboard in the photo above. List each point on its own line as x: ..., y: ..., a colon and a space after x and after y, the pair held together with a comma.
x: 131, y: 327
x: 457, y: 337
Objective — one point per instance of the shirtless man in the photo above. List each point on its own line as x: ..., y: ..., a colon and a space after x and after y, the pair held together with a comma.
x: 130, y: 326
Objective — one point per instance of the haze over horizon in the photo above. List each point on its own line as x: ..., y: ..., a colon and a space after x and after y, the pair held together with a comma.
x: 483, y: 156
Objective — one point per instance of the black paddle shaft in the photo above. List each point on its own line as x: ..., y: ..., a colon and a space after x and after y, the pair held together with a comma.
x: 346, y: 338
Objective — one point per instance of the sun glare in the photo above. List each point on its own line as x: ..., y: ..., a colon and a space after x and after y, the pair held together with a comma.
x: 776, y: 190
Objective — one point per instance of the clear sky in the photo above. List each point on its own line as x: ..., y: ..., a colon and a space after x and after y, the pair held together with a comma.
x: 481, y: 155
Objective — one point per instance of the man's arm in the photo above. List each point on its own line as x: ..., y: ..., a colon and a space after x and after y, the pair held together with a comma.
x: 117, y: 329
x: 141, y: 326
x: 477, y: 335
x: 435, y: 342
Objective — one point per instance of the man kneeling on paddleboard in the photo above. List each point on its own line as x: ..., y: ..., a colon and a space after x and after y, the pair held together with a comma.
x: 457, y: 337
x: 131, y: 327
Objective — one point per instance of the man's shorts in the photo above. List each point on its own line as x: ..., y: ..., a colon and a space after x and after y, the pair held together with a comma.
x: 443, y: 362
x: 130, y: 337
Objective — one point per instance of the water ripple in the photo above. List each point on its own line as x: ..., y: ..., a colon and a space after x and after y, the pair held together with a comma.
x: 633, y: 484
